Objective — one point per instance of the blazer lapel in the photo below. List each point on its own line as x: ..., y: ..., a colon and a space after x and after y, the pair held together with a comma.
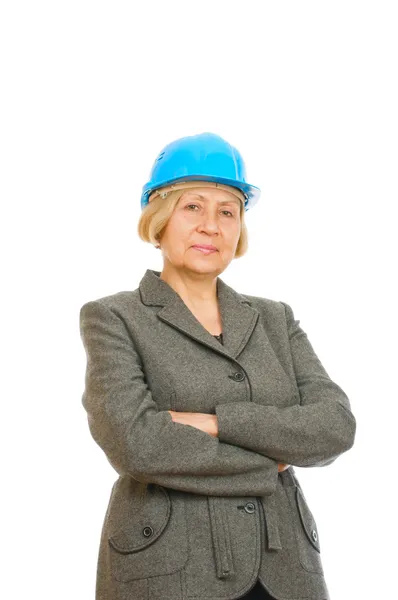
x: 238, y: 317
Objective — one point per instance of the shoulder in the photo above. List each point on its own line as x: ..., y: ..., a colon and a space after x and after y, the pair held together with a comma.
x: 117, y: 302
x: 268, y: 305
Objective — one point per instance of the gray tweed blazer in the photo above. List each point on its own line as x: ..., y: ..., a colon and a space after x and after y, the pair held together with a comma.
x: 192, y: 516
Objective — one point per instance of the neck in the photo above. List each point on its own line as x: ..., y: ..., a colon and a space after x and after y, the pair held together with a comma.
x: 195, y: 288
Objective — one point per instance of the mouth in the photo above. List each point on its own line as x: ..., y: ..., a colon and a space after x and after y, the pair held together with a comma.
x: 205, y: 249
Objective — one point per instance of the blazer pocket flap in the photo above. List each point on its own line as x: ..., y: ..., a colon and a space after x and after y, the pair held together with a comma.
x: 307, y: 520
x: 146, y: 524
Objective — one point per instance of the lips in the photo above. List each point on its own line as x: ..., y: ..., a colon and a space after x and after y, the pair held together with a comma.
x: 205, y: 247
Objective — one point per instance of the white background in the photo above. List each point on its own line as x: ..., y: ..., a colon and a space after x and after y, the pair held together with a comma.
x: 91, y: 92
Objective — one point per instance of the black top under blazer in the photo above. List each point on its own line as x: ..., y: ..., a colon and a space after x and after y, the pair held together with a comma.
x: 192, y: 516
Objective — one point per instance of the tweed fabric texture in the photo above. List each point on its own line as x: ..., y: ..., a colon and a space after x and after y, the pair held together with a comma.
x: 192, y: 516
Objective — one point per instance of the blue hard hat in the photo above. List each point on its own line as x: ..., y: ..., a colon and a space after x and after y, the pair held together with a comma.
x: 202, y: 157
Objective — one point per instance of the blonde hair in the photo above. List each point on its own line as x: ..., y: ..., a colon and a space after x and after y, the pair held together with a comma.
x: 157, y: 212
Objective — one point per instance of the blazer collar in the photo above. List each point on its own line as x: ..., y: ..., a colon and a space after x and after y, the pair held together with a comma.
x: 238, y: 317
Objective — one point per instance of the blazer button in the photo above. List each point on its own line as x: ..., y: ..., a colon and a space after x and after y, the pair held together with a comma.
x: 238, y: 376
x: 147, y: 531
x: 314, y: 535
x: 250, y: 507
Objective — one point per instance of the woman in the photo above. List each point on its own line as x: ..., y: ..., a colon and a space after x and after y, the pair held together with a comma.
x: 202, y: 399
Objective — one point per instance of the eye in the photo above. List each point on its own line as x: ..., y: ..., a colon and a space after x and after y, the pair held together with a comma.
x: 225, y: 211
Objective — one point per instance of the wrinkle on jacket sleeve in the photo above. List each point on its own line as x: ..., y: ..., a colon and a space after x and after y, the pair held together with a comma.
x: 310, y: 434
x: 146, y: 443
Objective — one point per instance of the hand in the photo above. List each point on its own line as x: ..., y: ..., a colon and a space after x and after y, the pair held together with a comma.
x: 282, y: 467
x: 202, y: 421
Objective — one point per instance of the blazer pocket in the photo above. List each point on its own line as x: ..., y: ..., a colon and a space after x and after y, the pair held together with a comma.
x: 309, y: 549
x: 154, y: 541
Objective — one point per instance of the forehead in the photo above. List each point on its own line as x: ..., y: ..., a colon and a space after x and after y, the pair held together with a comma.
x: 207, y: 193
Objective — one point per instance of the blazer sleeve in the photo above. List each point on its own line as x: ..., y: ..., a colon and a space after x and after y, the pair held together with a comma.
x: 144, y: 442
x: 312, y: 433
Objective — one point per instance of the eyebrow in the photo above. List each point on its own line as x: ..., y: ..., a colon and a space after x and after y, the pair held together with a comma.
x: 237, y: 201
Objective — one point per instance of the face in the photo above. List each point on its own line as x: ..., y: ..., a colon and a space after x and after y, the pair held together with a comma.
x: 207, y: 216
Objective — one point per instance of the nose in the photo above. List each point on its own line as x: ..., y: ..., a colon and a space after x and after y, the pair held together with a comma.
x: 209, y: 221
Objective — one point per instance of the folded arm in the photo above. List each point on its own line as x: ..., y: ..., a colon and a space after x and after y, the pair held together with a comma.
x: 312, y: 433
x: 144, y: 442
